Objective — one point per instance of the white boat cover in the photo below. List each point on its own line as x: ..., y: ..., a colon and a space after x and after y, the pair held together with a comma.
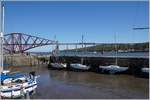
x: 80, y: 66
x: 114, y: 68
x: 58, y: 65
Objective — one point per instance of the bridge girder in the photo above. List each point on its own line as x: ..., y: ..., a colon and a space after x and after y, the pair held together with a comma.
x: 20, y: 42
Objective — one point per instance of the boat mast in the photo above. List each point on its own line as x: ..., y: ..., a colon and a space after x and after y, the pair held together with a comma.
x: 116, y: 51
x: 1, y: 34
x: 56, y: 50
x: 82, y: 48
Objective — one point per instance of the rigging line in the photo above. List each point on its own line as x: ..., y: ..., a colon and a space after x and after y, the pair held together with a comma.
x: 116, y: 49
x: 54, y: 46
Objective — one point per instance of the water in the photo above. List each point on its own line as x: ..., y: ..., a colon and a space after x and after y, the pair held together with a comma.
x: 106, y: 54
x: 55, y: 84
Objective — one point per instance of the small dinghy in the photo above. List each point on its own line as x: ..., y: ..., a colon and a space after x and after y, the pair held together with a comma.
x: 78, y: 66
x: 145, y: 70
x: 17, y: 85
x: 113, y: 68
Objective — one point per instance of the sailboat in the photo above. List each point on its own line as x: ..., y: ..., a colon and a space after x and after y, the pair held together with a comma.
x: 14, y: 85
x: 55, y: 61
x: 145, y: 70
x: 113, y: 68
x: 80, y: 66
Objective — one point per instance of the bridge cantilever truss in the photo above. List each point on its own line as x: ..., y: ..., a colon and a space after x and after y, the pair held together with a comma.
x: 20, y: 42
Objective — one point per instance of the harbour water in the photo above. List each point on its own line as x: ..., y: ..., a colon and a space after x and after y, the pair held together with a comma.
x: 56, y: 84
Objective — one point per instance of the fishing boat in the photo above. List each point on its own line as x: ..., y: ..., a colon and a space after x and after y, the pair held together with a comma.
x: 13, y: 85
x: 80, y: 66
x: 112, y: 69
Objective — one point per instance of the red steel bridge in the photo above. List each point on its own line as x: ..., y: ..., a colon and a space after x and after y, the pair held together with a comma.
x: 20, y: 42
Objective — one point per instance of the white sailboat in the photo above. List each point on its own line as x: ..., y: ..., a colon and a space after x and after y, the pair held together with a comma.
x: 17, y: 84
x: 145, y: 70
x: 56, y: 64
x: 113, y: 68
x: 80, y: 66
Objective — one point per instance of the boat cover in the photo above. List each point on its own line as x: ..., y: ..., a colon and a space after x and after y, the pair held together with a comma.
x: 13, y: 76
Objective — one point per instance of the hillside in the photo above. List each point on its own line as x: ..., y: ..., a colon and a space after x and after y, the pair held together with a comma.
x: 120, y: 47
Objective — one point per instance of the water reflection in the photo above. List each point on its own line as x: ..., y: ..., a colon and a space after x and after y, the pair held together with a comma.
x: 122, y: 85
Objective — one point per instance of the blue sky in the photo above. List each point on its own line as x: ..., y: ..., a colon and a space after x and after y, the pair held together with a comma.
x: 98, y: 21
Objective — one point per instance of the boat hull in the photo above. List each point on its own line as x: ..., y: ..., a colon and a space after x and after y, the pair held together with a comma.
x: 79, y: 67
x: 18, y: 92
x: 112, y: 70
x: 57, y: 66
x: 19, y: 86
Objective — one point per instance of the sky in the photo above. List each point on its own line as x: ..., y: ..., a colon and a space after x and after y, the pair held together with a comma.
x: 98, y: 21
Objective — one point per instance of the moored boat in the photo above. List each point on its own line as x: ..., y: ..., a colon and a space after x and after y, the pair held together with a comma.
x: 13, y: 85
x: 17, y: 85
x: 145, y: 70
x: 80, y: 66
x: 55, y: 61
x: 77, y: 66
x: 58, y: 65
x: 113, y: 69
